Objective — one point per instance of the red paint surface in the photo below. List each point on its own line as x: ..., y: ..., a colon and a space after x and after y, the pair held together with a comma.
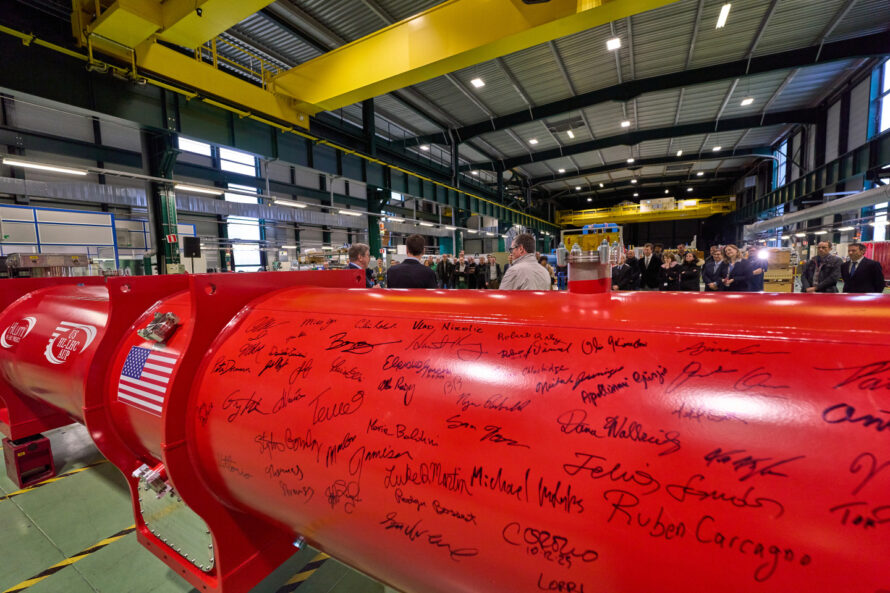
x: 441, y: 451
x: 590, y: 286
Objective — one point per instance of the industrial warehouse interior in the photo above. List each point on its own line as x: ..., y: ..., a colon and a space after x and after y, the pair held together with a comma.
x: 347, y: 296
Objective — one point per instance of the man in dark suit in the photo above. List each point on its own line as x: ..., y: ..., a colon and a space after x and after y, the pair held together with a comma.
x: 623, y: 276
x: 411, y: 273
x: 649, y: 265
x: 861, y: 274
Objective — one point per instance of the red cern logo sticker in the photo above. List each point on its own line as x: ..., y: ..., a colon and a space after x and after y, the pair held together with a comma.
x: 16, y: 332
x: 68, y: 339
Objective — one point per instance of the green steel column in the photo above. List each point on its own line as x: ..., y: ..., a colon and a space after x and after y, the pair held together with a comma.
x: 376, y: 201
x: 161, y: 160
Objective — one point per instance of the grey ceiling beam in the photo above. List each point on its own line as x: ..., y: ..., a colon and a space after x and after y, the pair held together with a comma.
x: 378, y: 10
x: 637, y: 136
x: 691, y: 52
x: 689, y: 160
x: 867, y: 46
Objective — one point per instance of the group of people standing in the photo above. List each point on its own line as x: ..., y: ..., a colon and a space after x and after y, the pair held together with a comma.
x: 728, y: 268
x: 725, y: 269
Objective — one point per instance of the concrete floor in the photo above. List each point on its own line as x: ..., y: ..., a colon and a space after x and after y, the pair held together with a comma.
x: 44, y: 526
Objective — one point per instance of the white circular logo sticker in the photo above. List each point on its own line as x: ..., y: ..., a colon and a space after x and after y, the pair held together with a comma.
x: 16, y: 332
x: 67, y: 339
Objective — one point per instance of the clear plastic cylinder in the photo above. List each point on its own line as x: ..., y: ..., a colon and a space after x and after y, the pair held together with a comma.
x: 589, y: 272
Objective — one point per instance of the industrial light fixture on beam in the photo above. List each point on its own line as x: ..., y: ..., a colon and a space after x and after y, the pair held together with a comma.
x: 747, y: 101
x: 679, y: 153
x: 884, y: 223
x: 625, y: 124
x: 800, y: 235
x: 700, y: 174
x: 846, y: 228
x: 472, y: 231
x: 562, y: 170
x: 289, y: 203
x: 821, y: 233
x: 478, y: 83
x: 350, y: 212
x: 613, y: 44
x: 570, y: 134
x: 43, y: 167
x: 395, y: 219
x: 213, y: 191
x: 424, y: 147
x: 450, y: 228
x: 426, y: 224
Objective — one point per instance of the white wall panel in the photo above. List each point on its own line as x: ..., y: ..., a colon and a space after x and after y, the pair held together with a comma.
x: 858, y: 115
x: 832, y: 132
x: 64, y: 234
x: 120, y: 136
x: 65, y: 216
x: 19, y: 232
x: 51, y: 121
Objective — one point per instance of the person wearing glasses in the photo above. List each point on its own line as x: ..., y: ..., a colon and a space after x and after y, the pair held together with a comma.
x: 525, y: 273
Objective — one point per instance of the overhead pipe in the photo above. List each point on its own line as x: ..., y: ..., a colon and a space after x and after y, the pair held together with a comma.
x: 863, y: 199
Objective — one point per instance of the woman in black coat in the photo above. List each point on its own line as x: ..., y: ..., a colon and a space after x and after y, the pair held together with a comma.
x: 690, y: 273
x: 669, y: 274
x: 735, y: 272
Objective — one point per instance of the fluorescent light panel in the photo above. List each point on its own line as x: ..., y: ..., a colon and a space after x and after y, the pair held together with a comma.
x: 43, y: 167
x: 533, y: 141
x: 426, y: 224
x: 747, y: 101
x: 724, y: 15
x: 289, y: 203
x: 478, y: 83
x: 613, y: 44
x: 846, y: 228
x: 570, y: 134
x: 198, y: 190
x: 562, y: 170
x: 350, y: 212
x: 679, y: 153
x: 625, y: 124
x: 450, y: 228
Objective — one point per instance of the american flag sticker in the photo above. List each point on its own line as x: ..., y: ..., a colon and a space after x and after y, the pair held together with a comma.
x: 145, y: 379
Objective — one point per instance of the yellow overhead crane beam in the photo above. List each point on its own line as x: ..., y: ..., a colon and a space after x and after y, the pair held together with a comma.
x: 188, y: 23
x: 453, y: 35
x: 130, y: 29
x: 631, y: 213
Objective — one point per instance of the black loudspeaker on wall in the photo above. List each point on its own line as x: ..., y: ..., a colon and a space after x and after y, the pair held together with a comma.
x: 191, y: 246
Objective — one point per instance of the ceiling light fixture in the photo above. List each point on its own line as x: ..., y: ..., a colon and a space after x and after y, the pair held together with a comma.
x: 717, y: 148
x: 198, y: 190
x: 562, y: 170
x: 450, y: 228
x: 821, y: 233
x: 688, y: 189
x: 424, y: 147
x: 601, y: 185
x: 667, y: 191
x: 423, y: 223
x: 625, y: 124
x: 472, y: 231
x: 883, y: 223
x: 846, y: 228
x: 577, y: 188
x: 478, y: 83
x: 395, y: 219
x: 350, y: 212
x: 42, y: 167
x: 613, y: 44
x: 800, y: 235
x: 533, y: 141
x: 679, y: 153
x: 589, y: 199
x: 474, y: 172
x: 570, y: 134
x: 289, y: 203
x: 630, y: 160
x: 700, y: 174
x: 747, y: 101
x: 633, y: 180
x: 724, y: 14
x: 636, y: 195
